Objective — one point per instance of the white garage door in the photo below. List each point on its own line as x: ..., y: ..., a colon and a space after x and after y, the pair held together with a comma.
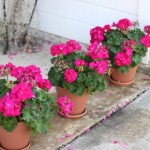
x: 73, y: 19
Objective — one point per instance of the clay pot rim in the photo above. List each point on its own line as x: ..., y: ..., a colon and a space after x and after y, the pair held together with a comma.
x: 121, y: 83
x: 73, y: 116
x: 25, y: 148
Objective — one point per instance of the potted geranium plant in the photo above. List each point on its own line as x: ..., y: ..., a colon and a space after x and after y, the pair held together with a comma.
x: 25, y: 105
x: 77, y: 73
x: 127, y: 44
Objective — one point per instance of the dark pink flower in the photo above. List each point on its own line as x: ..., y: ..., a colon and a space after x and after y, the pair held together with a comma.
x: 74, y: 44
x: 21, y: 92
x: 44, y: 84
x: 79, y: 62
x: 147, y: 29
x: 70, y: 75
x: 145, y: 40
x: 129, y: 43
x: 122, y: 59
x: 107, y: 28
x: 65, y: 105
x: 97, y: 51
x: 92, y: 65
x: 65, y: 49
x: 97, y: 35
x: 124, y: 24
x: 101, y: 67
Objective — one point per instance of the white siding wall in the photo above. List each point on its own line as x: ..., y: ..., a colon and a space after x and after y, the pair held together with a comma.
x: 73, y: 19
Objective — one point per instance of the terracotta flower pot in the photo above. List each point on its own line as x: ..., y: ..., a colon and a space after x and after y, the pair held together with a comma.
x: 18, y: 139
x: 79, y: 108
x: 123, y: 79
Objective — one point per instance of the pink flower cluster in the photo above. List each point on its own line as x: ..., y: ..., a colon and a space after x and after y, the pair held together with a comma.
x: 100, y: 66
x: 65, y: 49
x: 80, y: 62
x: 31, y: 75
x: 70, y: 75
x: 124, y: 24
x: 97, y: 35
x: 124, y: 57
x: 129, y: 43
x: 147, y: 29
x: 107, y: 28
x: 65, y: 105
x: 97, y: 51
x: 145, y: 40
x: 11, y: 103
x: 6, y: 69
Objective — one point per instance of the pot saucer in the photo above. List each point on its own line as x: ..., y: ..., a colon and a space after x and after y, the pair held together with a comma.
x: 25, y: 148
x: 73, y: 116
x: 121, y: 83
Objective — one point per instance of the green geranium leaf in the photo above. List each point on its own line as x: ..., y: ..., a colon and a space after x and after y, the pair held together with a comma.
x: 136, y: 58
x: 123, y: 69
x: 9, y: 123
x: 55, y: 77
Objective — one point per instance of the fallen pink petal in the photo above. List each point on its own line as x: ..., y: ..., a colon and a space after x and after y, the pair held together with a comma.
x: 59, y: 140
x: 88, y: 130
x: 10, y: 56
x: 68, y: 135
x: 108, y: 115
x: 49, y: 42
x: 104, y: 119
x: 125, y: 145
x: 116, y: 142
x: 117, y: 126
x: 69, y: 148
x: 110, y: 84
x: 110, y: 93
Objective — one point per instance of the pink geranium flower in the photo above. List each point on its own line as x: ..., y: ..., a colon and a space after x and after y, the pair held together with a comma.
x: 65, y: 105
x: 79, y: 62
x: 124, y: 24
x: 147, y: 29
x: 65, y: 49
x: 70, y: 75
x: 97, y: 52
x: 122, y: 59
x: 145, y: 40
x: 97, y: 35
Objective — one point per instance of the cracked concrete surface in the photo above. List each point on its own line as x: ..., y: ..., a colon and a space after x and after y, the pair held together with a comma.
x: 128, y: 129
